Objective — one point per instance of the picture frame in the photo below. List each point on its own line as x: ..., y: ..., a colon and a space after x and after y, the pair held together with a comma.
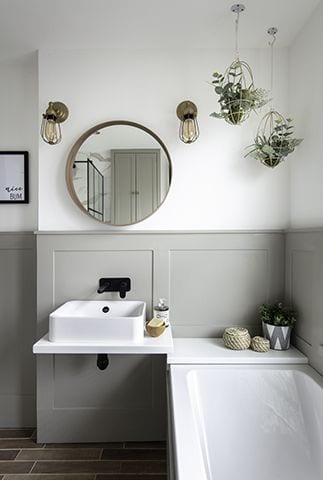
x: 14, y: 177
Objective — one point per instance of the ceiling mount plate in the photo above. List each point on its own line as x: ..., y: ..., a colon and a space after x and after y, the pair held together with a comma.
x: 238, y: 8
x: 272, y: 31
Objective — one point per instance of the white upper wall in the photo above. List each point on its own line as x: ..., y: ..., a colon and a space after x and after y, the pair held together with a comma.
x: 19, y: 131
x: 306, y: 101
x: 79, y: 24
x: 214, y: 186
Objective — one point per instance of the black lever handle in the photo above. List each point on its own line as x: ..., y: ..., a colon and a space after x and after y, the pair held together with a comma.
x: 121, y: 285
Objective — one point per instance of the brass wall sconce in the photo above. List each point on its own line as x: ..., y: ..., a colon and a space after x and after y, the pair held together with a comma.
x: 188, y: 129
x: 56, y: 113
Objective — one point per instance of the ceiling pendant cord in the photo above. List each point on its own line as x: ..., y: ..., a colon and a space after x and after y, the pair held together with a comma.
x: 237, y: 8
x: 237, y: 35
x: 272, y: 31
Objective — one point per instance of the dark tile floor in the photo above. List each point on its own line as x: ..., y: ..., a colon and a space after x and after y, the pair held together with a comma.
x: 21, y: 458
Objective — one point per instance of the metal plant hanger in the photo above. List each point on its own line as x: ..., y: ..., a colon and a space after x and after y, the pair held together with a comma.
x: 237, y: 93
x: 274, y: 140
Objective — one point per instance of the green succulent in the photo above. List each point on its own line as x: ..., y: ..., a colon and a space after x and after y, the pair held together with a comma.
x: 277, y: 314
x: 273, y: 148
x: 236, y: 100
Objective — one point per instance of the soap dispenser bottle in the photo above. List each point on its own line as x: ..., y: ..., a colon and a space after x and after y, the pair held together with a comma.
x: 161, y: 311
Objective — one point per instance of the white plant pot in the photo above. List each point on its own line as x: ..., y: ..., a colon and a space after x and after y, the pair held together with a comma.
x: 279, y: 337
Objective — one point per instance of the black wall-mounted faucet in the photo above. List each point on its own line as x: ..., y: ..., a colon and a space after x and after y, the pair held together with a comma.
x: 121, y: 285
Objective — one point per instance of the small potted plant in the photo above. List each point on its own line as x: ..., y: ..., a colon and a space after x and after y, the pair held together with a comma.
x: 277, y: 324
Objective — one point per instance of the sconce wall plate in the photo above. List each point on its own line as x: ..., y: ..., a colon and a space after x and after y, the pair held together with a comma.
x: 186, y: 109
x: 61, y: 111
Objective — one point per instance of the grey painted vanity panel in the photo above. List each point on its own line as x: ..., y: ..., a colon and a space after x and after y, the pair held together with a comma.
x: 17, y: 329
x: 110, y: 405
x: 210, y: 279
x: 304, y: 288
x: 79, y: 403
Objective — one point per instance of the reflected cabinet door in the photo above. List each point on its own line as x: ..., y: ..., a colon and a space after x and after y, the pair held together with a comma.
x: 135, y: 184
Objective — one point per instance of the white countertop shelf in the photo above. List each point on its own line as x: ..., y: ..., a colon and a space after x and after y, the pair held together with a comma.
x: 197, y: 351
x: 150, y: 345
x: 179, y: 350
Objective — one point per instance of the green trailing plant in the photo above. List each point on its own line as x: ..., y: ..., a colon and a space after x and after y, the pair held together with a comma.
x: 273, y: 145
x: 237, y: 93
x: 277, y: 314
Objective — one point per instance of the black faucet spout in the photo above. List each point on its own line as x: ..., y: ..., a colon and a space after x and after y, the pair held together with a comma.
x: 123, y: 289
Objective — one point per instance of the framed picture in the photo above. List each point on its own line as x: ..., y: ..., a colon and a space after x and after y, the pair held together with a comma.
x: 14, y: 186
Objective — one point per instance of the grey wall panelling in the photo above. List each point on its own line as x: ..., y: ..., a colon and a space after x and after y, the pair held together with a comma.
x: 210, y: 279
x: 304, y: 288
x: 17, y: 329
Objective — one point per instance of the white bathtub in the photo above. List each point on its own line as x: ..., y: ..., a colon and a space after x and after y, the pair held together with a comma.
x: 246, y: 422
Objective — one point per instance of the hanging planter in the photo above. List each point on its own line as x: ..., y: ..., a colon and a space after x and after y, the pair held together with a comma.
x: 274, y: 140
x: 237, y: 93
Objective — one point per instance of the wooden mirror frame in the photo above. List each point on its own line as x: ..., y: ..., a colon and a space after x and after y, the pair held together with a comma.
x: 74, y: 150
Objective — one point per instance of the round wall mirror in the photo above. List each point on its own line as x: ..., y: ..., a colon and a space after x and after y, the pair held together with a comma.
x: 119, y: 172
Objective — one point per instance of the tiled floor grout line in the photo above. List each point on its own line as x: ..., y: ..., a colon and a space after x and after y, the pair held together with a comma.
x: 25, y: 448
x: 104, y: 460
x: 92, y: 474
x: 29, y: 473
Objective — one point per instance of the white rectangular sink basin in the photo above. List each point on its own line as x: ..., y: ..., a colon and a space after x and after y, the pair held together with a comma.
x: 88, y: 321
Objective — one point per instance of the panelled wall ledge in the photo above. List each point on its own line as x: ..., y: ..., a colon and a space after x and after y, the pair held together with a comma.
x: 154, y: 232
x: 303, y: 230
x: 125, y: 231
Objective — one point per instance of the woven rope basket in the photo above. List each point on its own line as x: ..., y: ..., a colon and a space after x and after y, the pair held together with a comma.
x: 236, y: 338
x: 260, y: 344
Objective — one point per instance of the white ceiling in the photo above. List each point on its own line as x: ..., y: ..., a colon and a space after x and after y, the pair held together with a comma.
x: 28, y: 25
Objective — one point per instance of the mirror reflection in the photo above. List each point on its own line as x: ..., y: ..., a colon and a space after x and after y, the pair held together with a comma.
x: 119, y: 173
